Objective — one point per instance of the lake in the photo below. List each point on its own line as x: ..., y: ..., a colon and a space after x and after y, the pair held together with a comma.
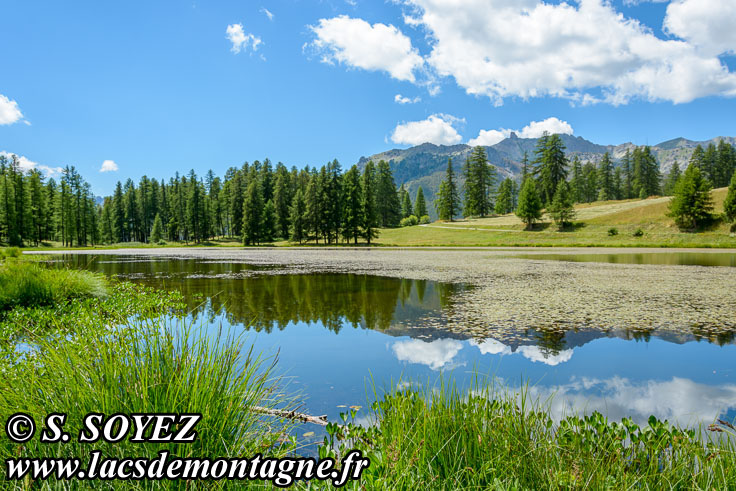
x: 338, y: 334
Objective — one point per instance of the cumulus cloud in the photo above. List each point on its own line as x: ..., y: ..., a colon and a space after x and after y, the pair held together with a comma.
x: 358, y: 44
x: 400, y: 99
x: 535, y: 354
x: 585, y: 51
x: 435, y: 354
x: 268, y: 13
x: 535, y: 129
x: 437, y: 129
x: 707, y: 24
x: 26, y: 165
x: 241, y: 41
x: 491, y: 346
x: 109, y: 166
x: 9, y: 111
x: 678, y: 400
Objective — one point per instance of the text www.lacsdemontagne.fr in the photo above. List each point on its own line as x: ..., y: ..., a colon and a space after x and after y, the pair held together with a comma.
x: 281, y: 472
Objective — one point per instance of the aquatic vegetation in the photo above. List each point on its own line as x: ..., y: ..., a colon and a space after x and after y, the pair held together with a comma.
x: 147, y: 367
x: 442, y: 437
x: 25, y: 284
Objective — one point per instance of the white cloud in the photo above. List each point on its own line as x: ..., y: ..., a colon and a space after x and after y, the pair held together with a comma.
x: 678, y: 400
x: 26, y: 165
x: 491, y: 346
x: 487, y: 138
x: 356, y: 43
x: 630, y: 3
x: 535, y: 354
x: 9, y: 111
x: 109, y: 166
x: 241, y: 40
x: 708, y: 24
x: 584, y: 51
x: 535, y: 129
x: 435, y: 354
x: 268, y: 13
x: 437, y: 129
x: 400, y: 99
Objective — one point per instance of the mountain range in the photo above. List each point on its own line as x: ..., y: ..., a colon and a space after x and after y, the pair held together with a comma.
x: 424, y: 165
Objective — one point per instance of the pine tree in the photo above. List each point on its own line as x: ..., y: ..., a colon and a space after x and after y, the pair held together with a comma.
x: 447, y: 203
x: 692, y: 204
x: 106, y: 226
x: 333, y: 197
x: 353, y: 206
x: 729, y: 205
x: 297, y: 218
x: 157, y: 231
x: 505, y: 198
x: 269, y: 222
x: 672, y: 178
x: 646, y: 176
x: 253, y: 214
x: 525, y: 169
x: 551, y: 165
x: 406, y: 206
x: 562, y: 209
x: 420, y: 206
x: 387, y: 199
x: 370, y: 218
x: 314, y: 203
x: 725, y: 165
x: 283, y: 198
x: 577, y: 182
x: 530, y: 204
x: 479, y: 183
x: 626, y: 165
x: 605, y: 178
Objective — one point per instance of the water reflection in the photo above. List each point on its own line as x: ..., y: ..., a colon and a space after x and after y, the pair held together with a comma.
x: 334, y: 332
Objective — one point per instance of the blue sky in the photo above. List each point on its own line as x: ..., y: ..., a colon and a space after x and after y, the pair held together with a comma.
x: 160, y: 87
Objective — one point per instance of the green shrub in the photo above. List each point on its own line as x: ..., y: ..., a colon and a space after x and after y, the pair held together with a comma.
x: 409, y: 221
x: 638, y: 233
x: 612, y: 232
x: 425, y: 220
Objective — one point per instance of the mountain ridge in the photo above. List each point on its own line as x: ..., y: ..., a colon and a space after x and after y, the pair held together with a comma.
x: 424, y: 165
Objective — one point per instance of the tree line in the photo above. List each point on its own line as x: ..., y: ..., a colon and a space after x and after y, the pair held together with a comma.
x: 259, y: 202
x: 34, y: 209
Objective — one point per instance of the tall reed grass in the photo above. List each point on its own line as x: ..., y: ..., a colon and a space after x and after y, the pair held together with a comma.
x: 147, y: 367
x: 446, y: 438
x: 24, y: 284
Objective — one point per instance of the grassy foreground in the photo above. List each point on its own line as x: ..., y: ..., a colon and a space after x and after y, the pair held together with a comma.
x: 430, y: 438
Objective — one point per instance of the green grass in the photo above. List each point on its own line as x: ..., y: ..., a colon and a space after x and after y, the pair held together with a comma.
x: 429, y: 438
x: 24, y: 283
x: 147, y: 367
x: 444, y: 438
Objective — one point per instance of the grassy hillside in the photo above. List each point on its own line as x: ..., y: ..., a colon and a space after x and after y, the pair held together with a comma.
x: 592, y: 225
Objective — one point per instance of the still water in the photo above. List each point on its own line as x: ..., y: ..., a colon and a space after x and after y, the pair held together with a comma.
x: 339, y: 335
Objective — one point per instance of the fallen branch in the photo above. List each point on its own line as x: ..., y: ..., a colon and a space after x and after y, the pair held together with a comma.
x: 281, y: 413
